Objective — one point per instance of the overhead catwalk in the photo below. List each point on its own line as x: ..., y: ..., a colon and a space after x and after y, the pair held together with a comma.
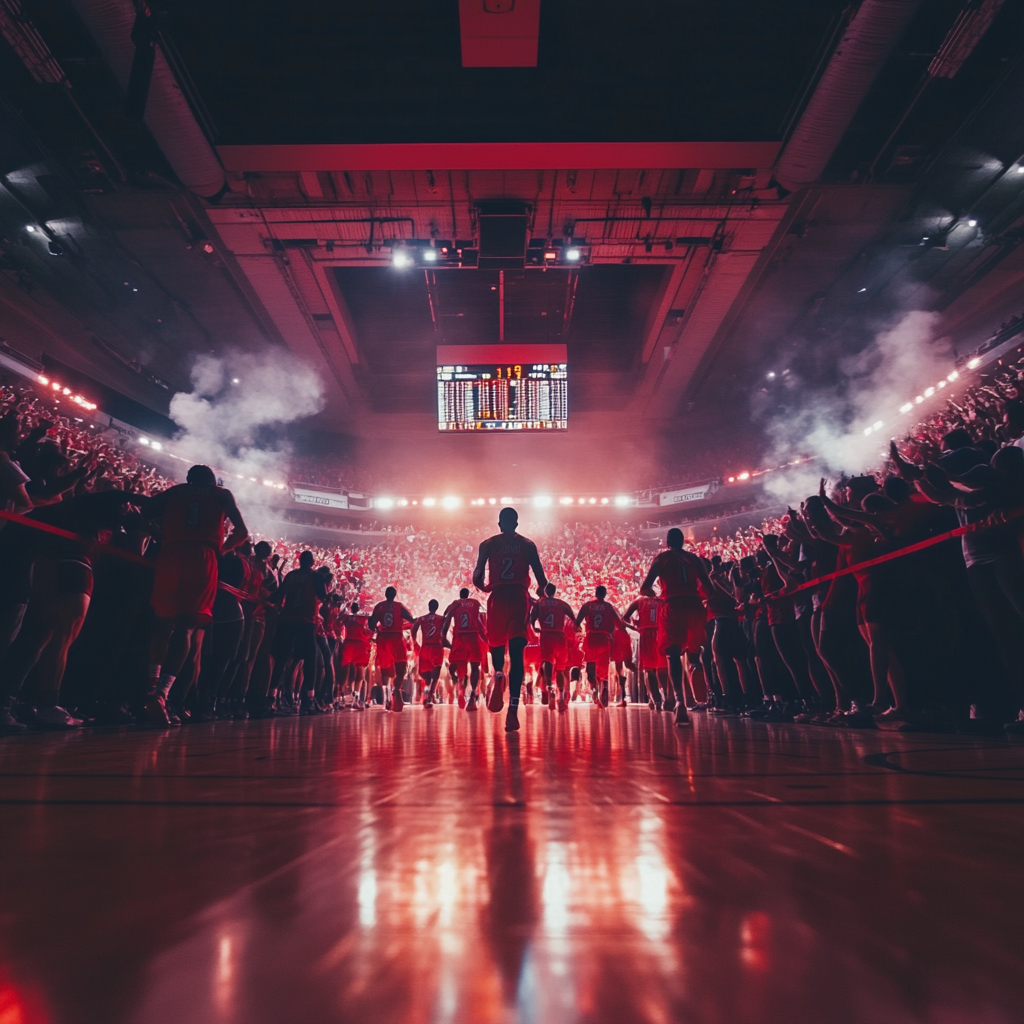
x: 598, y: 866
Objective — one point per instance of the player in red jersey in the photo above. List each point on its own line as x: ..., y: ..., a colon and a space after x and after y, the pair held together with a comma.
x: 622, y: 657
x: 355, y: 654
x: 649, y: 659
x: 431, y: 649
x: 531, y: 663
x: 554, y: 618
x: 601, y: 620
x: 466, y: 641
x: 388, y: 618
x: 508, y: 558
x: 192, y: 519
x: 682, y: 622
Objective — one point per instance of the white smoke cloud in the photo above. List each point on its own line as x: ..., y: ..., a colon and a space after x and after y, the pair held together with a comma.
x: 904, y: 358
x: 238, y: 428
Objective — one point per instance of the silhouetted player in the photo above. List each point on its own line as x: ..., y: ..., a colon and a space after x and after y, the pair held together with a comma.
x: 602, y: 620
x: 389, y: 618
x: 682, y: 619
x: 192, y: 517
x: 552, y: 615
x: 508, y: 559
x: 466, y: 643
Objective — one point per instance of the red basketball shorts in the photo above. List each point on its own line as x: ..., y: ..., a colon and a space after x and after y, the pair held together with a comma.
x: 651, y: 659
x: 431, y: 657
x: 555, y: 649
x: 390, y: 651
x: 622, y: 647
x: 465, y: 649
x: 185, y: 582
x: 355, y: 652
x: 682, y: 622
x: 597, y: 648
x: 507, y: 612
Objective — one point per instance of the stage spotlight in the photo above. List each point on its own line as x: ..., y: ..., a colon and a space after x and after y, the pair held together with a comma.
x: 450, y: 502
x: 403, y: 502
x: 144, y: 440
x: 565, y: 501
x: 928, y: 392
x: 919, y: 400
x: 400, y: 259
x: 384, y: 503
x: 542, y: 501
x: 429, y: 502
x: 572, y: 255
x: 974, y: 364
x: 622, y: 500
x: 972, y: 223
x: 30, y: 229
x: 604, y: 501
x: 1020, y: 170
x: 952, y: 376
x: 593, y: 501
x: 44, y: 380
x: 732, y: 479
x: 429, y: 255
x: 743, y: 476
x: 156, y: 445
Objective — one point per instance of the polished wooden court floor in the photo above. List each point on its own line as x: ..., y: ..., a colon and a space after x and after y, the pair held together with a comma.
x: 601, y: 866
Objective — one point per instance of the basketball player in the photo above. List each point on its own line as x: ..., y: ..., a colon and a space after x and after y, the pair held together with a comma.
x: 552, y: 615
x: 647, y: 610
x: 431, y: 650
x: 192, y: 517
x: 602, y: 620
x: 682, y: 619
x: 388, y: 618
x: 466, y: 641
x: 622, y: 657
x: 355, y: 654
x: 508, y: 558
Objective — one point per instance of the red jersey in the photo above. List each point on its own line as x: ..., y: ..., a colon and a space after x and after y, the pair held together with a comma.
x: 676, y: 571
x: 647, y: 613
x: 508, y: 560
x: 466, y: 615
x: 193, y: 513
x: 391, y: 617
x: 600, y: 617
x: 552, y: 613
x: 430, y: 629
x: 356, y: 629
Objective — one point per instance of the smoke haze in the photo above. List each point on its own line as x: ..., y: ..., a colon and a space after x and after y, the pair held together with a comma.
x: 904, y: 357
x: 239, y: 428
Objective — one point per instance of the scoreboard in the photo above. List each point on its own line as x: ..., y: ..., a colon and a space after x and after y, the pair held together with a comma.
x: 518, y: 388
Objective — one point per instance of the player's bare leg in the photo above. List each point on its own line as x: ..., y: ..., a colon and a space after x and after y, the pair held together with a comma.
x: 547, y: 673
x: 516, y: 673
x: 620, y: 679
x: 576, y: 679
x: 675, y: 671
x: 654, y: 690
x: 694, y: 681
x: 474, y: 686
x: 562, y: 689
x: 429, y: 684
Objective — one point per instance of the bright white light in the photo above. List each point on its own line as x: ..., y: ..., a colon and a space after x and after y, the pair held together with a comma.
x: 941, y: 384
x: 953, y: 376
x: 429, y: 502
x: 385, y: 503
x: 1020, y: 170
x: 860, y: 291
x: 450, y: 501
x: 29, y: 228
x: 972, y: 223
x: 572, y: 255
x: 430, y: 255
x: 928, y: 392
x: 403, y: 502
x: 66, y: 391
x: 44, y: 380
x: 565, y: 501
x: 906, y: 407
x: 593, y: 501
x: 622, y: 500
x: 55, y: 386
x: 506, y: 501
x: 400, y: 259
x: 743, y: 476
x: 542, y: 500
x: 604, y: 501
x: 268, y: 483
x: 144, y: 440
x: 492, y: 501
x: 235, y: 380
x: 919, y: 400
x: 732, y: 479
x: 877, y: 425
x: 771, y: 375
x: 974, y: 364
x: 157, y: 445
x: 867, y: 430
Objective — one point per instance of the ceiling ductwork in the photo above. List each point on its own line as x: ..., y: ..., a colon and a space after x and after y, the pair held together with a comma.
x: 869, y: 38
x: 167, y: 113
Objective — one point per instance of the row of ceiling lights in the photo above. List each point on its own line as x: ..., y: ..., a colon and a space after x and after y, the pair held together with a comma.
x: 62, y: 390
x: 538, y: 501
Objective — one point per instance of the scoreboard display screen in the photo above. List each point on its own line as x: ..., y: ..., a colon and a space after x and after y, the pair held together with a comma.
x: 517, y: 387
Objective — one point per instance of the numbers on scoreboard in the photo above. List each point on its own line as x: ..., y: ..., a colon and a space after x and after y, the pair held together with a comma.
x: 509, y: 372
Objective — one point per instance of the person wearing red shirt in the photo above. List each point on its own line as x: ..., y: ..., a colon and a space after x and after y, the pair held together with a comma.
x: 553, y: 617
x: 649, y: 659
x: 467, y: 639
x: 682, y: 624
x: 431, y: 649
x: 601, y: 620
x: 355, y: 654
x: 388, y: 618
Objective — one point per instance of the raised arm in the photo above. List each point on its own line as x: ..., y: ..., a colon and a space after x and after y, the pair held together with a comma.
x: 631, y: 611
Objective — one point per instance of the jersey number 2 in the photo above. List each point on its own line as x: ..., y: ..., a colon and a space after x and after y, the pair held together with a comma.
x: 506, y: 569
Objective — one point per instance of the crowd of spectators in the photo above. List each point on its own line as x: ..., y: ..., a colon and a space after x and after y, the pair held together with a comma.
x: 931, y: 639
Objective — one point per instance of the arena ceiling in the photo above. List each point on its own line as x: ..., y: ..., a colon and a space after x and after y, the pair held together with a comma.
x: 645, y: 135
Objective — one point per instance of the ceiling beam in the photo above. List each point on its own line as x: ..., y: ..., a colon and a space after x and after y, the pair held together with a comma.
x: 499, y: 33
x: 498, y: 156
